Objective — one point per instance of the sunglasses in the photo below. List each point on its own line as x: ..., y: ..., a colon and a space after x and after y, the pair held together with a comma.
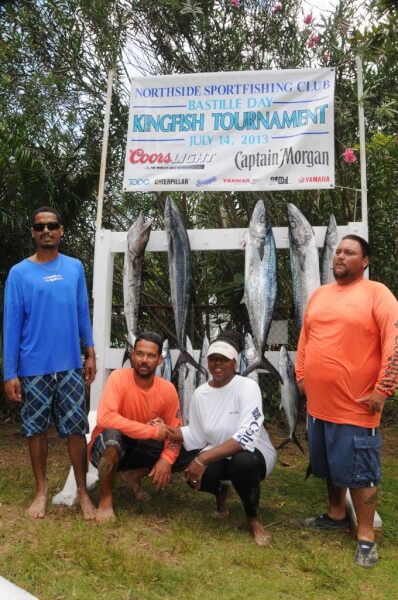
x: 51, y: 226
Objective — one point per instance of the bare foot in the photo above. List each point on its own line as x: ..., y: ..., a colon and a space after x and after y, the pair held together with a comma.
x: 105, y: 515
x: 86, y: 506
x: 261, y: 537
x: 37, y: 509
x: 221, y: 500
x: 134, y: 482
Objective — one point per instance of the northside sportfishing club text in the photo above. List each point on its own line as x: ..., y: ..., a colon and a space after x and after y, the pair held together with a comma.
x: 228, y: 115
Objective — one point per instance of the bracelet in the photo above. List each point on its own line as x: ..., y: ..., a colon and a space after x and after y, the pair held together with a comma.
x: 198, y: 462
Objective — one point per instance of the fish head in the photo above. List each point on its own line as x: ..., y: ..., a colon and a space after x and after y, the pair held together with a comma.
x: 260, y: 224
x: 138, y: 235
x: 300, y: 231
x: 260, y: 229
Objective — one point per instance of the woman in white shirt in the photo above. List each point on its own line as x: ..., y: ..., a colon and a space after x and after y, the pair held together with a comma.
x: 226, y: 422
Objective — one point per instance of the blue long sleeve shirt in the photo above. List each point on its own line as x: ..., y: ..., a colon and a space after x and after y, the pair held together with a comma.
x: 46, y: 315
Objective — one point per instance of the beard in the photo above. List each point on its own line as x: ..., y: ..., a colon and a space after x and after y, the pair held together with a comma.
x: 146, y: 374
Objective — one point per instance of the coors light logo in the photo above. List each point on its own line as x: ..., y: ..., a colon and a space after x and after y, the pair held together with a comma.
x: 179, y: 160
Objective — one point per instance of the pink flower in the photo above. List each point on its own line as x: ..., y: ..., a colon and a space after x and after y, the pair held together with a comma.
x: 349, y: 155
x: 308, y: 19
x: 277, y: 8
x: 235, y: 3
x: 314, y: 39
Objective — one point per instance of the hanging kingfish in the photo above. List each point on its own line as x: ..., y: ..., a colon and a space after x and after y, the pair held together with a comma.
x: 137, y: 239
x: 304, y: 261
x: 260, y: 284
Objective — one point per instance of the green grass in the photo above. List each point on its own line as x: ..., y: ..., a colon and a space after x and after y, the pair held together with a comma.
x: 174, y: 548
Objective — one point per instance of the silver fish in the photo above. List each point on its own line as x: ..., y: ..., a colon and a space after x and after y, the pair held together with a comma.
x: 290, y: 396
x: 328, y: 250
x: 180, y: 274
x: 248, y: 357
x: 164, y: 370
x: 203, y: 377
x: 180, y: 269
x: 260, y: 283
x: 186, y: 385
x: 137, y: 239
x: 304, y: 261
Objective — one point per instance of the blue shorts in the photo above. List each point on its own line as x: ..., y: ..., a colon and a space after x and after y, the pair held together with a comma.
x: 55, y: 398
x: 136, y: 454
x: 346, y: 455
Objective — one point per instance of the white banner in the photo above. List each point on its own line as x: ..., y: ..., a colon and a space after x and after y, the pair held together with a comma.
x: 244, y: 130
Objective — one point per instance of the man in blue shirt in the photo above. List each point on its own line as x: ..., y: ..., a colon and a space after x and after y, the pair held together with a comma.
x: 45, y: 316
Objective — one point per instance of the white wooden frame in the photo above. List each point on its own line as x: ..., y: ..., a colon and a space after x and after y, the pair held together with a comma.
x: 108, y: 243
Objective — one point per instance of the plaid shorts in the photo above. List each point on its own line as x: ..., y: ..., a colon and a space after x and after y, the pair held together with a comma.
x: 54, y: 399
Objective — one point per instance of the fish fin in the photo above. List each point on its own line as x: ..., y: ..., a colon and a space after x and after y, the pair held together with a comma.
x: 289, y: 439
x: 126, y: 357
x: 130, y: 341
x: 263, y: 363
x: 297, y: 442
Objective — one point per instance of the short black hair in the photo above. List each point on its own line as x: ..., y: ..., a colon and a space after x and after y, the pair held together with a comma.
x: 361, y: 241
x: 49, y: 209
x: 231, y: 337
x: 150, y: 336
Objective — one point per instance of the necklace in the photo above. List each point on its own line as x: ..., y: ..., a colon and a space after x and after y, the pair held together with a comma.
x: 57, y: 266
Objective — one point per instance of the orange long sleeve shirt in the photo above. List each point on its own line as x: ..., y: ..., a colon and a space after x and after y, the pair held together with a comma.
x: 348, y: 347
x: 127, y: 407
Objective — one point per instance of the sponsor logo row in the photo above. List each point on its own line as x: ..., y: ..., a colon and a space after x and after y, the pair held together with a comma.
x: 199, y: 183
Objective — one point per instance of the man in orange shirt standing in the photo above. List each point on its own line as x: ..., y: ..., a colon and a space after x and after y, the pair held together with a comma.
x: 134, y: 410
x: 347, y: 365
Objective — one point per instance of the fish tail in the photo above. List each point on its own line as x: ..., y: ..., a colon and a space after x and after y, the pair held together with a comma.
x: 263, y: 363
x: 185, y: 357
x: 292, y: 438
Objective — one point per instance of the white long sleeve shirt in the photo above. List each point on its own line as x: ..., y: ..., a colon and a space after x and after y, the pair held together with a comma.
x: 232, y: 411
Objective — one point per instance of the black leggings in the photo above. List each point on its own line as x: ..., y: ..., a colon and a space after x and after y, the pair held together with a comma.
x: 245, y: 469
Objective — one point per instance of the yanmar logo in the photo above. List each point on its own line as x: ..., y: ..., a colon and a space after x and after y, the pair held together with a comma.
x: 237, y: 181
x: 315, y: 179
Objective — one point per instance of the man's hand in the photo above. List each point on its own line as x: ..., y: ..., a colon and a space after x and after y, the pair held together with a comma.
x: 162, y: 431
x: 375, y: 402
x: 90, y: 369
x: 175, y: 434
x: 161, y: 473
x: 300, y: 385
x: 12, y: 388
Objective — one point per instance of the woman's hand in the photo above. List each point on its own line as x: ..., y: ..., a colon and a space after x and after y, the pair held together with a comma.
x: 194, y: 473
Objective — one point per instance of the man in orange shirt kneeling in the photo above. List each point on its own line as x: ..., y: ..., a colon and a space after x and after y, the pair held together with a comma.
x: 130, y: 436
